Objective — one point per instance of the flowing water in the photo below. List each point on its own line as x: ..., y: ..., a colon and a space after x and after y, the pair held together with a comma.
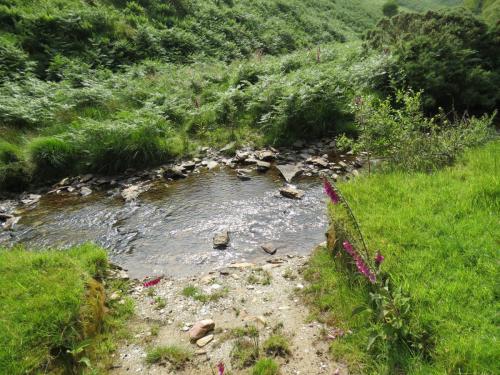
x: 169, y: 229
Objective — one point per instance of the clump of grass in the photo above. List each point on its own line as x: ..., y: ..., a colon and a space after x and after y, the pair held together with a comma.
x: 175, y: 355
x: 154, y: 330
x: 160, y: 302
x: 245, y: 352
x: 260, y: 276
x: 266, y: 366
x: 53, y: 309
x: 289, y: 274
x: 277, y: 345
x: 193, y: 292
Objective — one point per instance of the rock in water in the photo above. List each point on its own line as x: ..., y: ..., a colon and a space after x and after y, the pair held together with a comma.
x: 288, y: 171
x: 291, y: 192
x: 175, y: 173
x: 221, y: 240
x: 204, y: 341
x: 269, y: 248
x: 211, y: 164
x: 263, y: 166
x: 132, y: 192
x: 201, y: 328
x: 84, y: 191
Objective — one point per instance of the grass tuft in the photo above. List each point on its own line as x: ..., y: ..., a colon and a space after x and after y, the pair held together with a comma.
x: 175, y: 355
x: 266, y: 366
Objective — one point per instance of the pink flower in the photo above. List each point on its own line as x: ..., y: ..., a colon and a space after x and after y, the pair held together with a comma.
x: 220, y: 367
x: 153, y: 282
x: 330, y: 191
x: 379, y: 258
x: 360, y: 264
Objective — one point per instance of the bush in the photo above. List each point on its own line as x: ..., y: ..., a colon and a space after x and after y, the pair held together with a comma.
x: 449, y: 55
x: 410, y: 141
x: 9, y: 153
x: 390, y: 8
x: 14, y: 176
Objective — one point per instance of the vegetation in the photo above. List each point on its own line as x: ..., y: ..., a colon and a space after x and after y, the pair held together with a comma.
x: 176, y: 356
x: 276, y: 345
x: 54, y: 311
x: 103, y: 86
x: 488, y: 9
x: 441, y: 276
x: 198, y: 295
x: 265, y: 366
x: 390, y: 8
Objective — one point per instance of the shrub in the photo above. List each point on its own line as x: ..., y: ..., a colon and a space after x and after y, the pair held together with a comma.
x: 14, y: 176
x: 409, y: 140
x: 9, y: 153
x: 449, y: 55
x: 390, y: 8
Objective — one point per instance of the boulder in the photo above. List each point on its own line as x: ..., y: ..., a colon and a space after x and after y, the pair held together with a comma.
x: 201, y: 328
x: 263, y: 166
x: 320, y: 162
x: 289, y: 171
x: 175, y: 173
x: 269, y: 248
x: 189, y: 165
x: 132, y: 192
x: 221, y: 240
x: 85, y: 191
x: 266, y: 155
x: 211, y: 164
x: 291, y: 192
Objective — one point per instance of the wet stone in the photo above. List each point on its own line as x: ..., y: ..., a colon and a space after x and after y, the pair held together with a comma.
x: 291, y: 192
x: 221, y: 240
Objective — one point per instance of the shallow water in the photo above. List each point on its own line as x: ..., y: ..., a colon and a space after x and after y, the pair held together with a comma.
x: 169, y: 230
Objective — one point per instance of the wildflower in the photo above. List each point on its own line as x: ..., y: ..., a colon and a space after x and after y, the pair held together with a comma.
x: 220, y: 367
x: 153, y: 282
x: 330, y: 191
x: 360, y: 263
x: 379, y: 258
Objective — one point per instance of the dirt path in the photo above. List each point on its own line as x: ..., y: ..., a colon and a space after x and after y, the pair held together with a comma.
x: 264, y: 296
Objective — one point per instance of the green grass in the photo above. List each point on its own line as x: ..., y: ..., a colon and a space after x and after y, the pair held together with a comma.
x: 195, y: 293
x: 52, y: 310
x: 277, y: 345
x: 175, y: 355
x: 439, y: 234
x: 265, y: 366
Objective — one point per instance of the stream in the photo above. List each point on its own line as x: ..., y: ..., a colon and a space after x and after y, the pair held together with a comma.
x: 169, y: 229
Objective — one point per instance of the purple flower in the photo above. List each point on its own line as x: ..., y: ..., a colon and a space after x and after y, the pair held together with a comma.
x: 330, y: 191
x: 220, y: 367
x: 360, y: 264
x: 379, y: 258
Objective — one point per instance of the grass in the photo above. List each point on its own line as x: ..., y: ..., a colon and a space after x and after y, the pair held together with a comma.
x: 174, y: 355
x: 245, y: 352
x: 53, y: 313
x: 265, y: 366
x: 277, y: 345
x: 439, y: 235
x: 191, y: 291
x: 259, y: 276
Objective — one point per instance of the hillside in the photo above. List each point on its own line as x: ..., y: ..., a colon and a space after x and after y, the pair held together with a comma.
x: 489, y: 9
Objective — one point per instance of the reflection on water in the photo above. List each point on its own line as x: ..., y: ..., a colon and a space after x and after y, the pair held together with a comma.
x: 170, y: 228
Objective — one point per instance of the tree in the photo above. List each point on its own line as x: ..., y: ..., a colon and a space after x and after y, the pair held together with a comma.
x: 390, y: 8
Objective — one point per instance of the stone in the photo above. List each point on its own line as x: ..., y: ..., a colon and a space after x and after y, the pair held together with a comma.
x: 9, y: 223
x: 343, y: 165
x: 132, y: 192
x: 86, y: 178
x: 201, y: 328
x: 189, y: 165
x: 228, y: 148
x: 204, y: 341
x: 263, y: 166
x: 85, y: 191
x: 221, y: 240
x: 241, y: 156
x: 321, y: 162
x: 289, y: 171
x: 31, y: 199
x: 291, y: 192
x: 211, y: 164
x: 266, y: 155
x: 269, y: 248
x: 175, y: 173
x: 243, y: 177
x: 242, y: 265
x: 65, y: 181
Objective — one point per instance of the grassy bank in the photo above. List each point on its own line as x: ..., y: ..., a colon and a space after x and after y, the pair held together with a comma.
x: 439, y: 235
x: 54, y: 313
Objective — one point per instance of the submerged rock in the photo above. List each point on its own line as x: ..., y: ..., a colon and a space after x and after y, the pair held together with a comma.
x: 132, y: 192
x: 289, y: 171
x: 175, y: 173
x: 291, y: 192
x: 269, y: 248
x: 221, y: 240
